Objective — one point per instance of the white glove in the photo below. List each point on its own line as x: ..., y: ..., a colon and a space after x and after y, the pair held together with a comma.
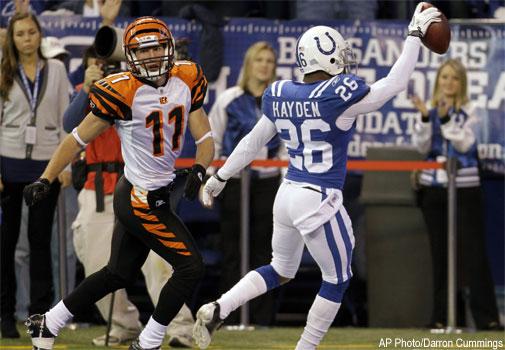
x: 212, y: 188
x: 421, y: 20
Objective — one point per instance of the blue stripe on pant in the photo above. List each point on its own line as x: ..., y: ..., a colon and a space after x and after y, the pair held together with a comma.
x: 347, y: 241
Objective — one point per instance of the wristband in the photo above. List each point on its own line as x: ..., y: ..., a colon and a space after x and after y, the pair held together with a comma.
x: 219, y: 178
x: 78, y: 138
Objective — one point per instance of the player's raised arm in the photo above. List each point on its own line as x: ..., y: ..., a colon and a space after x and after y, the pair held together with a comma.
x: 91, y: 127
x: 397, y: 79
x: 242, y: 155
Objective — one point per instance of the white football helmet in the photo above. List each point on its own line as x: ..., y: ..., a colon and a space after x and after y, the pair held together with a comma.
x: 323, y: 48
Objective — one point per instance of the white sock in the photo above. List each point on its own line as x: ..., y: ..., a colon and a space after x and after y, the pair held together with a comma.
x: 321, y: 316
x: 57, y: 318
x: 249, y: 287
x: 152, y: 335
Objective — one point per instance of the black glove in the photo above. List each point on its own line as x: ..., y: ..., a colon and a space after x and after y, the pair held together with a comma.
x: 194, y: 181
x: 37, y: 191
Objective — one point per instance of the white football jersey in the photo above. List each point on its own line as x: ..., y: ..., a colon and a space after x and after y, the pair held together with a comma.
x: 151, y: 121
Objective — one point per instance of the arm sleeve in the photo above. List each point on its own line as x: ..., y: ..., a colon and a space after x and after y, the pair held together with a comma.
x: 421, y: 137
x: 218, y: 120
x: 110, y: 104
x: 396, y: 81
x: 248, y: 147
x: 462, y: 137
x: 198, y: 89
x: 76, y: 111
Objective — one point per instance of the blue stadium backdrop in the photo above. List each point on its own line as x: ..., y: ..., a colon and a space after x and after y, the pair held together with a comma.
x: 480, y: 46
x: 377, y: 44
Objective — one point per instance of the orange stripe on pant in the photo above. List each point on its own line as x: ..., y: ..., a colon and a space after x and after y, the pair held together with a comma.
x: 157, y: 228
x: 136, y: 202
x: 176, y: 245
x: 148, y: 217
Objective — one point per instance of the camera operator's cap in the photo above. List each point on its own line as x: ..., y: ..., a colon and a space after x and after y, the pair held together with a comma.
x: 51, y: 47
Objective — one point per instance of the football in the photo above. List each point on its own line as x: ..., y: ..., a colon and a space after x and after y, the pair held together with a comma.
x: 438, y: 36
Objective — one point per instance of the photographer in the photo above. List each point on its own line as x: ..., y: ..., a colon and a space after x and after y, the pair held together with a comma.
x: 93, y: 226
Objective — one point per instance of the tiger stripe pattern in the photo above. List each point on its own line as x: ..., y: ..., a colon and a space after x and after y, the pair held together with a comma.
x: 152, y: 224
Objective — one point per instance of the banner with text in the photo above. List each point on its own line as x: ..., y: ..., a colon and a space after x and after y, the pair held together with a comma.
x: 377, y: 45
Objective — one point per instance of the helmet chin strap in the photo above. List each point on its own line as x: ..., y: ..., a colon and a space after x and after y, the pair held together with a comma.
x: 153, y: 75
x: 144, y: 72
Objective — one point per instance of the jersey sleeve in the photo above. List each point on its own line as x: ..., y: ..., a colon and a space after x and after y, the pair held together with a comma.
x: 348, y: 90
x: 355, y: 89
x: 109, y: 100
x: 192, y: 74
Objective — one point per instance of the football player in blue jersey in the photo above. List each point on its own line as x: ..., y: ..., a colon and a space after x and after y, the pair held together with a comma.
x: 316, y: 119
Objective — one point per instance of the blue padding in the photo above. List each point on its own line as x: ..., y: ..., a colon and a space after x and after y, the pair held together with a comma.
x: 333, y: 292
x: 269, y: 275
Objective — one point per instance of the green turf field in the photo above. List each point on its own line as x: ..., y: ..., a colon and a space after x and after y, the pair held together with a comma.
x: 285, y: 338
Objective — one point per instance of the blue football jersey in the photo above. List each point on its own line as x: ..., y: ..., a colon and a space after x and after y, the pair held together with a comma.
x: 305, y: 116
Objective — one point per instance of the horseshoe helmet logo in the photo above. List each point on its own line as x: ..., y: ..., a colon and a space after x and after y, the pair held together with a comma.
x: 324, y: 52
x: 323, y: 48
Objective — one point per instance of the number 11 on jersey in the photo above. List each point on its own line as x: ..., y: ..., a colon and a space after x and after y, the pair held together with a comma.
x: 155, y: 121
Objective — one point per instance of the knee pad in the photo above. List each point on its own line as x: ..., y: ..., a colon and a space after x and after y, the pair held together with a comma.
x: 272, y: 278
x: 333, y: 292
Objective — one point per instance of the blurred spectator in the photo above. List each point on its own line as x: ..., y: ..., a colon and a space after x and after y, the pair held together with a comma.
x: 335, y: 9
x: 211, y: 53
x: 232, y: 116
x: 108, y: 10
x: 448, y: 130
x: 10, y: 7
x: 52, y: 47
x: 33, y: 96
x: 93, y: 8
x: 279, y: 9
x: 3, y: 36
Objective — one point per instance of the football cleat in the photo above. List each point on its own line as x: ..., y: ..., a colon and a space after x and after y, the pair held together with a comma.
x: 136, y: 346
x: 42, y: 338
x: 207, y: 321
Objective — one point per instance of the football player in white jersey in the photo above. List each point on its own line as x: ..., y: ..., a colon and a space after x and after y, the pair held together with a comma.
x: 151, y: 106
x: 315, y: 119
